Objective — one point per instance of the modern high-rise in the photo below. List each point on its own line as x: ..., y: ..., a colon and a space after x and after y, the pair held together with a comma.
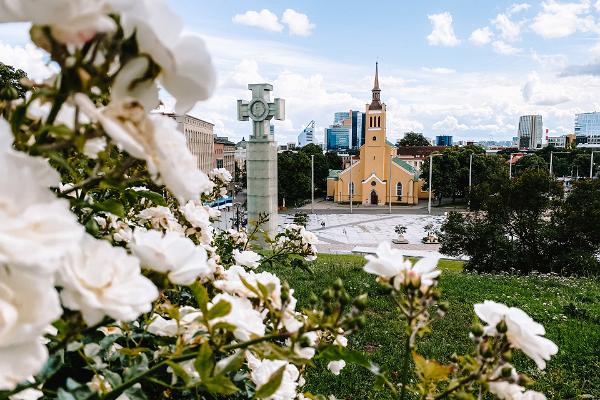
x: 199, y: 137
x: 357, y: 133
x: 337, y: 137
x: 307, y: 135
x: 339, y: 117
x: 587, y: 128
x: 530, y: 131
x: 443, y: 140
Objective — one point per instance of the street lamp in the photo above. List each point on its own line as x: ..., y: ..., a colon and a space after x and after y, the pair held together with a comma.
x: 312, y: 184
x: 430, y: 180
x: 592, y: 165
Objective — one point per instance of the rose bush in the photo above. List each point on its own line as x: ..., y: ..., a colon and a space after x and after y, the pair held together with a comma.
x: 114, y: 282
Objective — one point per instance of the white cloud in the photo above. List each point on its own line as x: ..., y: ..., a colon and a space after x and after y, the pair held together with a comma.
x: 443, y: 32
x: 244, y: 73
x: 449, y: 124
x: 509, y: 30
x: 518, y: 7
x: 298, y: 23
x: 504, y: 48
x: 558, y: 20
x: 438, y: 70
x: 29, y: 58
x: 542, y: 94
x: 481, y: 36
x: 264, y: 19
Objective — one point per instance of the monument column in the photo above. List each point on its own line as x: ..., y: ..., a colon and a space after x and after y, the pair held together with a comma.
x: 261, y: 164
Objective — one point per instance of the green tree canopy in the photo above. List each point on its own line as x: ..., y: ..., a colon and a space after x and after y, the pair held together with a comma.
x: 412, y: 139
x: 10, y: 82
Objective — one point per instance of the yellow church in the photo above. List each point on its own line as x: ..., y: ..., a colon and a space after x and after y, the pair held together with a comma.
x: 379, y: 176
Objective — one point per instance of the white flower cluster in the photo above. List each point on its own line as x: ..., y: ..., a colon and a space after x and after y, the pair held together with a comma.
x: 296, y: 238
x: 43, y: 245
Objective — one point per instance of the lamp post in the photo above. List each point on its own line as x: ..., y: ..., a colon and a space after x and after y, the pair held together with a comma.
x: 351, y: 186
x: 390, y: 185
x: 312, y: 184
x: 592, y: 165
x: 430, y: 180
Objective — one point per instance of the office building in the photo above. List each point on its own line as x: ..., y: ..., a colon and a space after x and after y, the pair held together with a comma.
x: 337, y: 138
x: 530, y: 132
x: 340, y: 117
x: 357, y: 132
x: 443, y: 140
x: 307, y: 135
x: 224, y: 154
x: 198, y: 136
x: 587, y: 128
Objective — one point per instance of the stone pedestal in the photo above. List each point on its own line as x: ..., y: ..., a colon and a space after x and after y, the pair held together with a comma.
x: 262, y: 181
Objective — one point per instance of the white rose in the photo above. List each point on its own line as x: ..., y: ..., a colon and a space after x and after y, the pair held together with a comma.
x: 532, y: 395
x: 522, y: 333
x: 246, y: 258
x: 263, y: 370
x: 27, y: 394
x: 336, y: 366
x: 162, y: 327
x: 196, y: 214
x: 28, y: 305
x: 19, y: 362
x: 171, y: 253
x: 248, y: 321
x: 186, y: 68
x: 99, y: 279
x: 160, y: 217
x: 221, y: 174
x: 94, y: 146
x: 70, y: 21
x: 506, y: 391
x: 387, y: 263
x: 37, y: 228
x: 126, y: 84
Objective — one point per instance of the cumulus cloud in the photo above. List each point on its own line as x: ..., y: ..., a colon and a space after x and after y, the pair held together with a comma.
x: 449, y: 124
x: 509, y: 30
x: 558, y: 20
x: 298, y: 23
x: 245, y: 72
x: 438, y: 70
x: 264, y: 19
x: 443, y: 32
x: 518, y: 7
x: 592, y: 69
x: 536, y: 92
x: 504, y: 48
x: 481, y: 36
x: 29, y: 58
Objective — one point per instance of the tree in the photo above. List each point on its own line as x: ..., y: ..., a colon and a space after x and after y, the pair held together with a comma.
x: 530, y: 226
x: 412, y: 139
x: 10, y: 82
x: 293, y: 181
x: 321, y: 167
x: 333, y: 160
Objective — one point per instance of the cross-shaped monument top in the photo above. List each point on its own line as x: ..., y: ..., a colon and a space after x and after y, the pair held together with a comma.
x: 261, y: 110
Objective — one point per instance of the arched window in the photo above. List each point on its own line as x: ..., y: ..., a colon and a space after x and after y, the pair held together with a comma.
x: 399, y: 189
x: 379, y: 122
x: 351, y: 188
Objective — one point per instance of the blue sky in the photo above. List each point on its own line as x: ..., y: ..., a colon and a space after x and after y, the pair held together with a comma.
x: 466, y: 68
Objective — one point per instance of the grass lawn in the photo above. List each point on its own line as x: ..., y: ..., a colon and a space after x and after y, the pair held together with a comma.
x: 569, y: 308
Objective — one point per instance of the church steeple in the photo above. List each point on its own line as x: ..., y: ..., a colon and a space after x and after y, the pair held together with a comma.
x: 376, y: 101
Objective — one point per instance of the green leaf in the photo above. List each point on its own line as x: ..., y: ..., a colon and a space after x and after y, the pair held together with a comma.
x: 201, y: 295
x: 220, y: 384
x: 179, y: 372
x: 232, y: 363
x: 154, y: 197
x: 59, y: 131
x: 430, y: 370
x: 269, y: 388
x: 205, y: 362
x: 220, y: 309
x: 333, y: 353
x: 63, y: 395
x: 112, y: 206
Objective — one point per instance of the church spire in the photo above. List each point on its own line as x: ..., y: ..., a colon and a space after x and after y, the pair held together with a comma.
x: 376, y: 101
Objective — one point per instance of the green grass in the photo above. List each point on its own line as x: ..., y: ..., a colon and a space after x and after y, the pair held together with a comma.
x: 569, y: 308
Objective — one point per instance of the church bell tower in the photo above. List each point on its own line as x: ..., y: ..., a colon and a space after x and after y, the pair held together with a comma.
x: 375, y: 115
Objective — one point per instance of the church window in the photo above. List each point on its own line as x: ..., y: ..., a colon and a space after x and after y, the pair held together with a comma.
x: 379, y: 122
x: 351, y: 188
x: 399, y: 189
